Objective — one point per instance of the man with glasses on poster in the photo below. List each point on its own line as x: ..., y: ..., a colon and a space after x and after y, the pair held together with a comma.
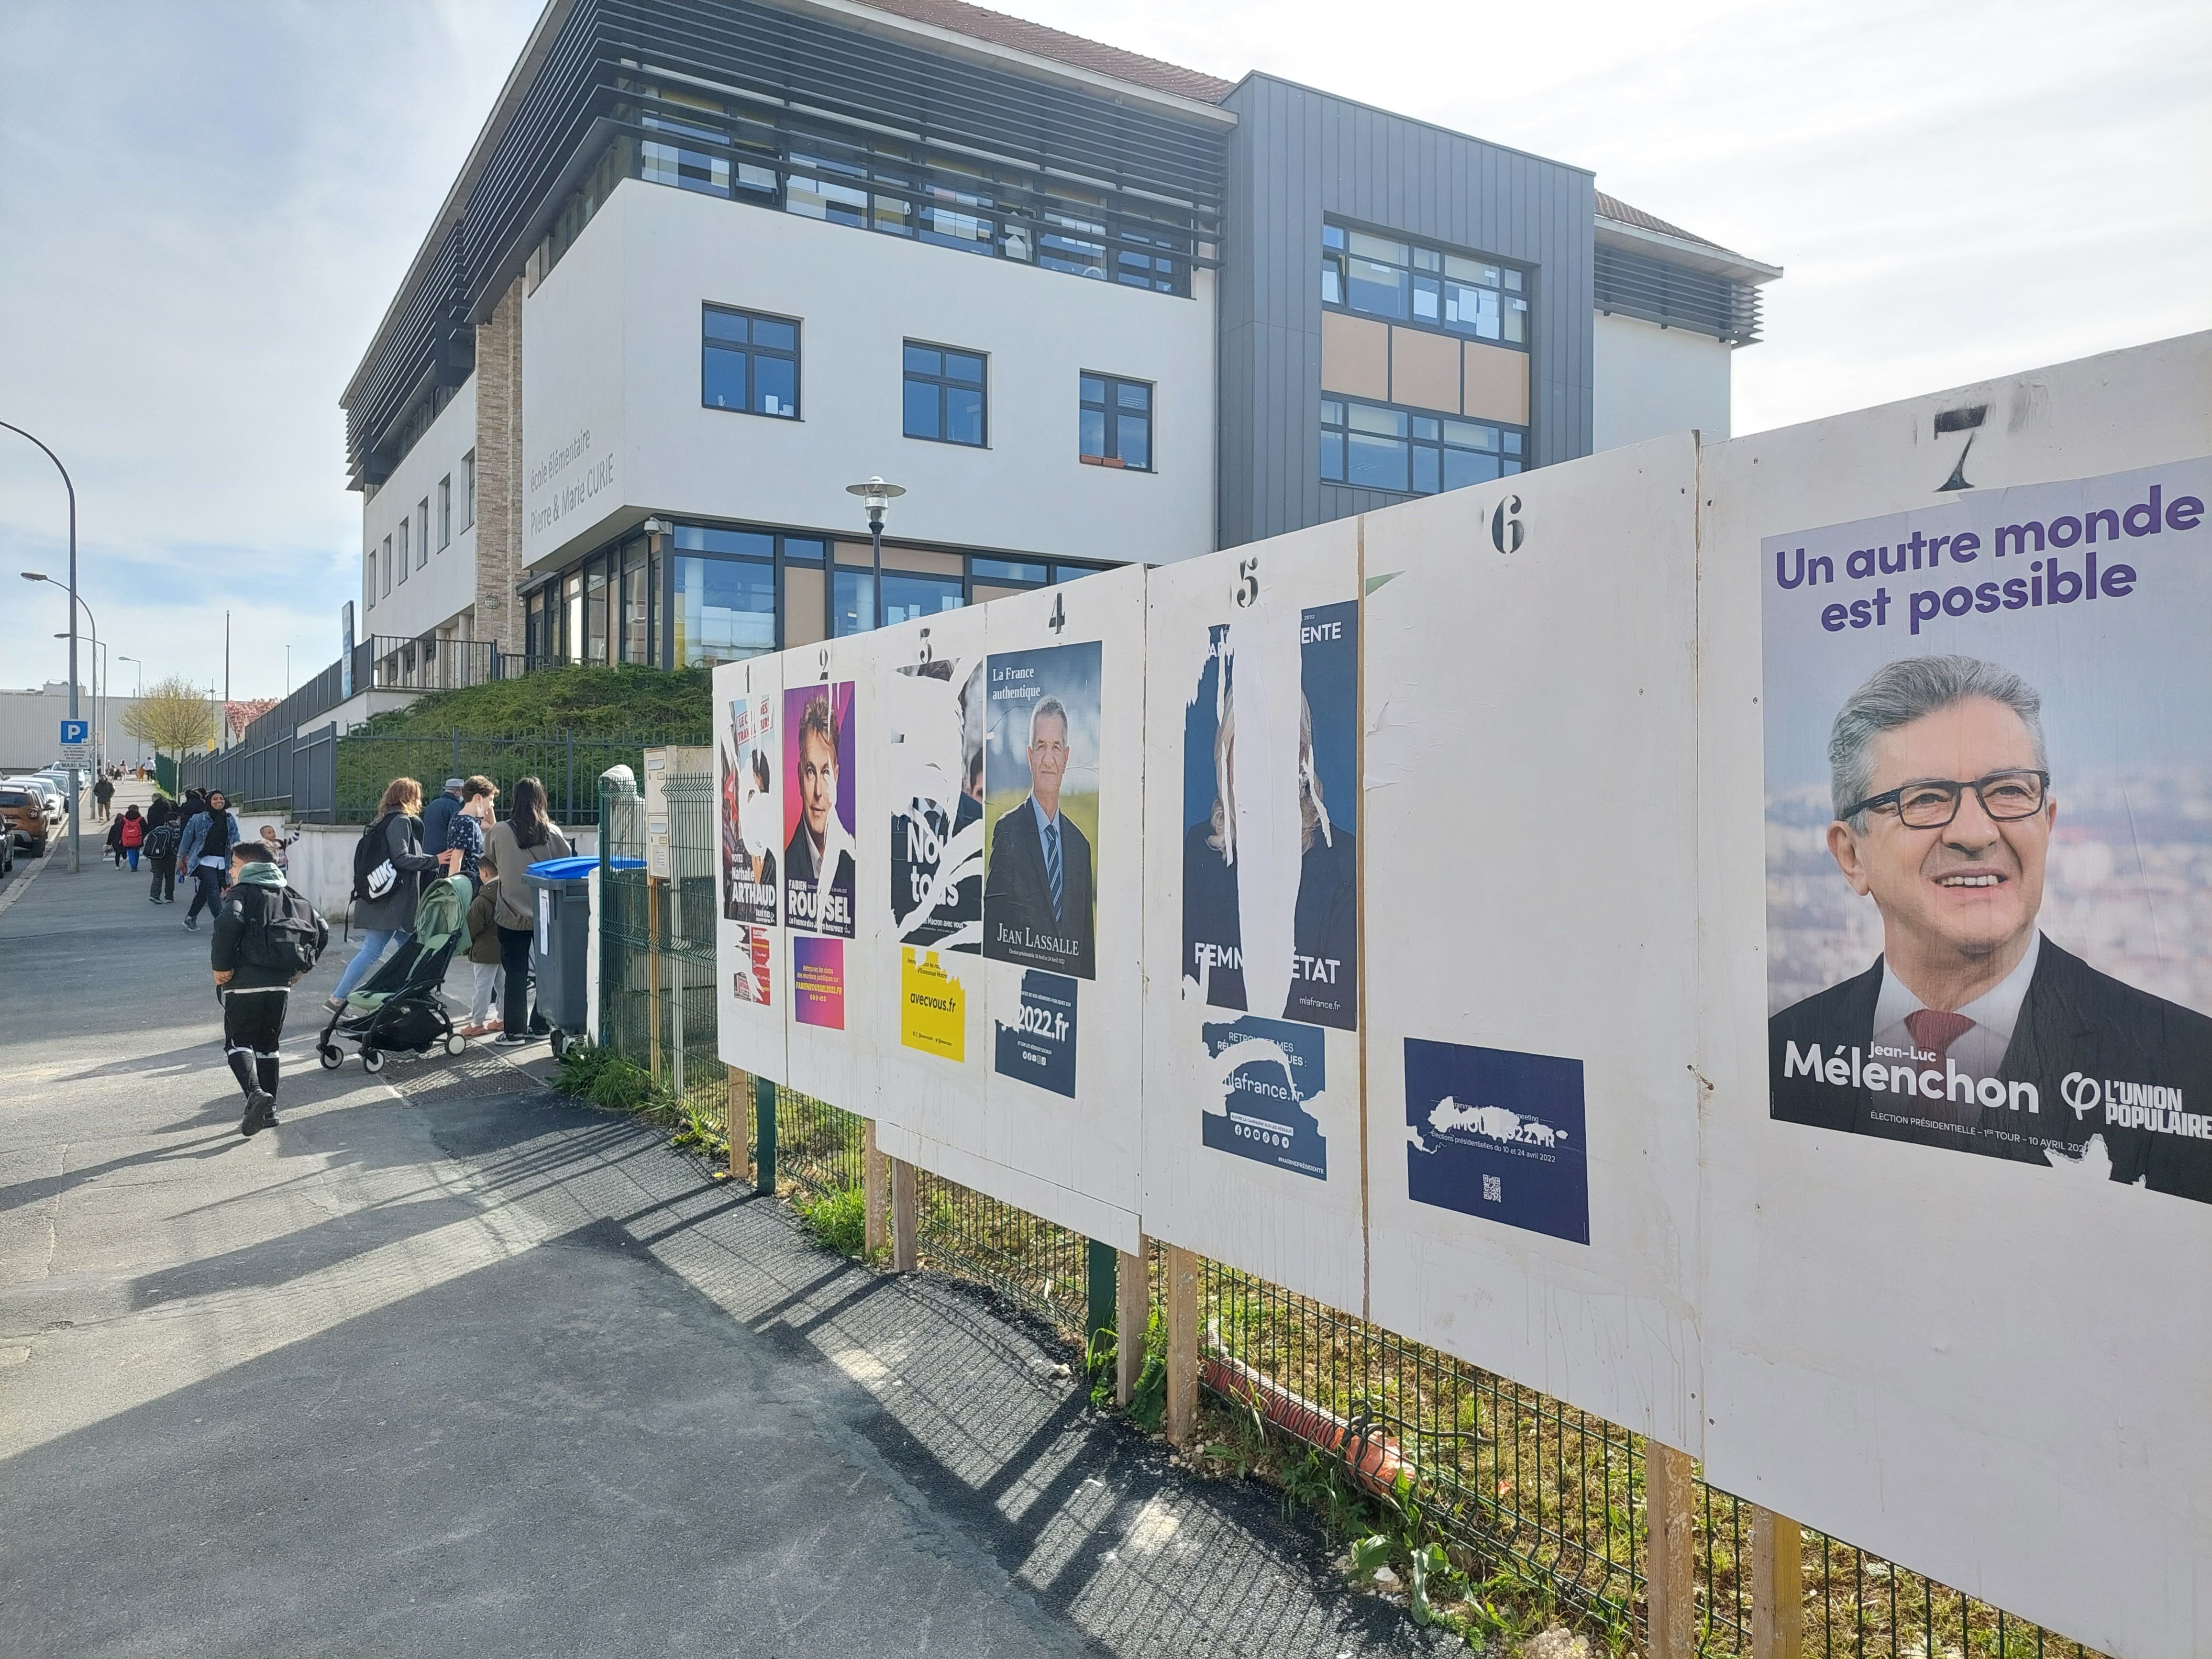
x: 1972, y: 1030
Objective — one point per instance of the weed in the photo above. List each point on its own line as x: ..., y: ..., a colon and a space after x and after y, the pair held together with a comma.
x: 838, y: 1220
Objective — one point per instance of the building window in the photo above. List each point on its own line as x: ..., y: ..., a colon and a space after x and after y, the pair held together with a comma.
x: 402, y: 533
x: 369, y: 572
x: 595, y: 612
x: 723, y: 609
x: 384, y: 571
x: 1117, y: 422
x: 536, y: 649
x: 1423, y: 287
x: 1371, y: 447
x: 749, y: 363
x: 634, y: 632
x: 444, y: 511
x: 946, y: 395
x: 468, y: 489
x: 423, y: 532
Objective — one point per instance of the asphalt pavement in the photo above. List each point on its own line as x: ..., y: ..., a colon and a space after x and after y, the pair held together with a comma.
x: 448, y: 1364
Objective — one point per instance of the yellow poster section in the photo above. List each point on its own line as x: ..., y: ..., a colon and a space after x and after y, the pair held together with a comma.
x: 931, y: 1016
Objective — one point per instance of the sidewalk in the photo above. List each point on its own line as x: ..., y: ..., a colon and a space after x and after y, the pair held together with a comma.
x: 447, y: 1363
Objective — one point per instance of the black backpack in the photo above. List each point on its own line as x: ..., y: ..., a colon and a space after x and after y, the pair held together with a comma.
x: 162, y: 839
x: 282, y: 932
x: 373, y: 875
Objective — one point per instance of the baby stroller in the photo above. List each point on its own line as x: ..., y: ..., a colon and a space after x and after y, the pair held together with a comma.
x: 397, y: 1009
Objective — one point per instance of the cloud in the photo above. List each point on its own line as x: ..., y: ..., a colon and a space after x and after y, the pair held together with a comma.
x: 204, y: 231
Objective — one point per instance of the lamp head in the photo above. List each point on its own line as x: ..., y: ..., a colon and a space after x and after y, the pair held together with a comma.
x: 876, y: 496
x: 36, y: 576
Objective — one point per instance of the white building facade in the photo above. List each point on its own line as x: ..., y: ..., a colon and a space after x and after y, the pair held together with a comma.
x: 693, y: 282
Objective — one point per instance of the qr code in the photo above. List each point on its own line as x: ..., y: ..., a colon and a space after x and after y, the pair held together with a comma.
x: 1493, y: 1189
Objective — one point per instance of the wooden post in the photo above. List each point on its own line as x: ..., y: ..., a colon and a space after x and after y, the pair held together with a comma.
x: 875, y: 1193
x: 1778, y: 1587
x: 1132, y: 1321
x: 1182, y: 1344
x: 741, y: 1165
x: 905, y: 1257
x: 1670, y: 1560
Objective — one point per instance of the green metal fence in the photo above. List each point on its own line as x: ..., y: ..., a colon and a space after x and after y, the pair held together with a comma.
x: 1510, y: 1477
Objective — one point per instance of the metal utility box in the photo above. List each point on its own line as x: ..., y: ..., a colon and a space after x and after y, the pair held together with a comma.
x: 665, y: 851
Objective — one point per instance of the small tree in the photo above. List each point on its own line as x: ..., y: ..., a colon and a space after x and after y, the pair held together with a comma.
x: 173, y: 715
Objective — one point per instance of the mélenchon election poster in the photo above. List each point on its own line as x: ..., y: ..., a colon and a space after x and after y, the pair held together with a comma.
x: 1041, y: 772
x: 818, y: 850
x: 1989, y: 827
x: 1270, y: 868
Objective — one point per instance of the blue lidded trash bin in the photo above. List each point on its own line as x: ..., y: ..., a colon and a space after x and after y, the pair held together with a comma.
x: 561, y: 942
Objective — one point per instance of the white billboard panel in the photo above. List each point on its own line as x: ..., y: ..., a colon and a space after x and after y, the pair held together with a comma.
x: 923, y: 888
x: 1063, y: 816
x: 752, y: 980
x: 1955, y: 1306
x: 829, y: 860
x: 1529, y: 824
x: 1252, y: 1146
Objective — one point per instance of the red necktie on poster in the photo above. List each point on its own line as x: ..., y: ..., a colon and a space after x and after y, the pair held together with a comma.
x: 1935, y: 1029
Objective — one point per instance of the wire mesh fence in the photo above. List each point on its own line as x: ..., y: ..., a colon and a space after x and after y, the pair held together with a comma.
x: 1512, y: 1480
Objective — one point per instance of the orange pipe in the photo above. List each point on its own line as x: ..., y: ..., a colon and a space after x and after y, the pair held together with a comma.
x: 1375, y: 1460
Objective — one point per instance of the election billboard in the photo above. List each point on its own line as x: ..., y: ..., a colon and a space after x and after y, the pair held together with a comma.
x: 927, y: 745
x: 1530, y: 1000
x: 751, y: 975
x: 1063, y: 688
x: 1956, y: 839
x: 827, y: 862
x: 1252, y: 1149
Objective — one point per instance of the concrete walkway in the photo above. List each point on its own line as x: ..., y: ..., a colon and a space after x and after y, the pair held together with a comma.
x: 446, y: 1363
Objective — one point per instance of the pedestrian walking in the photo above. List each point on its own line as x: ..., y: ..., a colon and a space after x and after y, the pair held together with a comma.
x: 114, y: 840
x: 465, y: 832
x: 266, y: 936
x: 204, y: 855
x: 388, y: 867
x: 131, y: 833
x: 478, y: 810
x: 525, y: 837
x: 438, y: 817
x: 164, y: 829
x: 102, y: 793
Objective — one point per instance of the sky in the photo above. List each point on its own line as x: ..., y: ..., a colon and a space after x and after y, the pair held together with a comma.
x: 204, y: 232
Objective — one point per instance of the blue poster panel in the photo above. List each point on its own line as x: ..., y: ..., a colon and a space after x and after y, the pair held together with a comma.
x: 1275, y: 1067
x: 1039, y: 1046
x: 1498, y: 1134
x: 1041, y: 774
x: 1233, y: 893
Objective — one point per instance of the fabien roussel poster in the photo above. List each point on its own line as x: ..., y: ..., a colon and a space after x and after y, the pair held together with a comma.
x: 933, y: 721
x: 819, y: 852
x: 751, y: 832
x: 1988, y: 799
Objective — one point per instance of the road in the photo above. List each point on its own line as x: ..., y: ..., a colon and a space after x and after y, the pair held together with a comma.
x: 448, y: 1364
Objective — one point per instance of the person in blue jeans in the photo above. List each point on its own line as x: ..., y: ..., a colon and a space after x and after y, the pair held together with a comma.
x: 386, y: 918
x: 205, y: 855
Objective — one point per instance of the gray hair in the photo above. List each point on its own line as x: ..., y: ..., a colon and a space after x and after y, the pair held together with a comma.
x: 1052, y: 706
x: 1898, y: 693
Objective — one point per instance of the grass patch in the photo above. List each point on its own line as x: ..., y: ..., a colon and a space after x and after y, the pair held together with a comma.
x: 838, y: 1220
x: 615, y: 1084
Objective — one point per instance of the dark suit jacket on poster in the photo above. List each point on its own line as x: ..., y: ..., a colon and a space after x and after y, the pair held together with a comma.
x: 799, y: 866
x: 1016, y: 898
x: 2150, y: 1061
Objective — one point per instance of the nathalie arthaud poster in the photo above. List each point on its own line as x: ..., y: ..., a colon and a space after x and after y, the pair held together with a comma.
x: 752, y: 826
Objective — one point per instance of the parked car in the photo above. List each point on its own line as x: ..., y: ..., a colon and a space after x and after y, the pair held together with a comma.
x: 24, y: 812
x: 53, y: 798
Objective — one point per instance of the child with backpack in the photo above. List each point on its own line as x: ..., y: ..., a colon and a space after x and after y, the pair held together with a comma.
x: 131, y: 835
x: 266, y: 939
x: 164, y: 829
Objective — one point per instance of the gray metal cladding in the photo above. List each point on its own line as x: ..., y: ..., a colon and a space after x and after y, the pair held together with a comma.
x: 1299, y: 156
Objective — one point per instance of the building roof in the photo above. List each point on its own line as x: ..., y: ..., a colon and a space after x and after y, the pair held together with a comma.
x: 1620, y: 224
x: 1018, y: 33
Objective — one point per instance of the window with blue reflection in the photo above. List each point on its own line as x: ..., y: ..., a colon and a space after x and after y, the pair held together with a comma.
x: 750, y: 362
x: 723, y: 609
x: 852, y: 602
x: 1409, y: 451
x: 906, y: 595
x: 943, y: 395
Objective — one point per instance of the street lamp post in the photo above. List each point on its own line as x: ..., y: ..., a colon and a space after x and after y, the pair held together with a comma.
x: 876, y: 496
x: 76, y: 782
